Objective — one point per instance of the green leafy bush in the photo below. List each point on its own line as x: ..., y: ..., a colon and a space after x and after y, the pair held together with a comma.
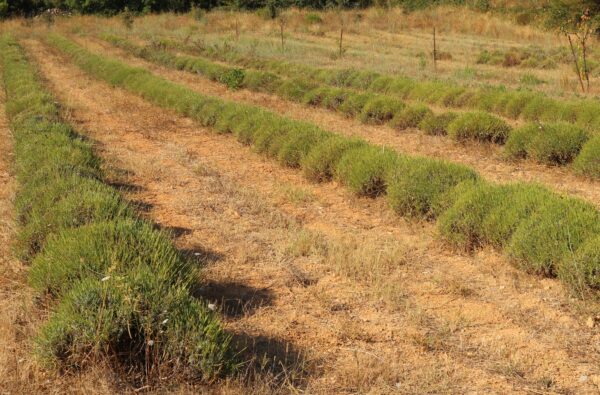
x: 233, y: 78
x: 479, y: 126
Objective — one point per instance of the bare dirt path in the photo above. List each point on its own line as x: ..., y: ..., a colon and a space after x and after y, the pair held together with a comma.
x: 396, y: 311
x: 486, y: 159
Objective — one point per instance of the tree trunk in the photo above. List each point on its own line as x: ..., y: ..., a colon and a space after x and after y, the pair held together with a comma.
x: 434, y: 52
x: 576, y: 63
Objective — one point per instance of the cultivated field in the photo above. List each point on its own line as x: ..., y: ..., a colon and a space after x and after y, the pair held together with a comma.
x: 227, y: 203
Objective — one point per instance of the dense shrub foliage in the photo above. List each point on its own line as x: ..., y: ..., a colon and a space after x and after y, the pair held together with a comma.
x: 120, y: 289
x: 559, y: 143
x: 541, y: 231
x: 588, y: 161
x: 556, y: 143
x: 478, y: 126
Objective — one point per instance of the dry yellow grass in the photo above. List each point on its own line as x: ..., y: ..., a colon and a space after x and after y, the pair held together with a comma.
x: 347, y: 296
x: 330, y: 293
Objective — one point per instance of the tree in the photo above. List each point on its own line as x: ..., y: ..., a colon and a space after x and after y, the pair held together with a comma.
x: 577, y: 20
x: 3, y: 9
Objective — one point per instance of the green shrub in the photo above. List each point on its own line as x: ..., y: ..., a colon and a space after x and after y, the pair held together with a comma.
x: 320, y: 163
x: 437, y: 125
x: 380, y: 110
x: 479, y: 126
x: 416, y: 188
x: 551, y: 143
x: 588, y: 161
x: 539, y: 227
x: 582, y: 273
x: 248, y: 124
x: 141, y: 323
x: 354, y: 104
x: 294, y: 89
x: 297, y: 145
x: 517, y: 144
x: 410, y: 117
x: 269, y: 138
x: 124, y: 293
x: 489, y: 214
x: 519, y: 202
x: 233, y: 78
x: 462, y: 223
x: 335, y: 98
x: 366, y: 170
x: 89, y: 201
x: 260, y: 81
x: 315, y: 97
x: 552, y: 234
x: 105, y: 249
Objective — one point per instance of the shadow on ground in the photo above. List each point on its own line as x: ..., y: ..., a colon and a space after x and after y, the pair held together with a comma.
x: 235, y: 299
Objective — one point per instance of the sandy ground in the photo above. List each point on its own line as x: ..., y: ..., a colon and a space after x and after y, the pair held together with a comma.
x: 344, y: 295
